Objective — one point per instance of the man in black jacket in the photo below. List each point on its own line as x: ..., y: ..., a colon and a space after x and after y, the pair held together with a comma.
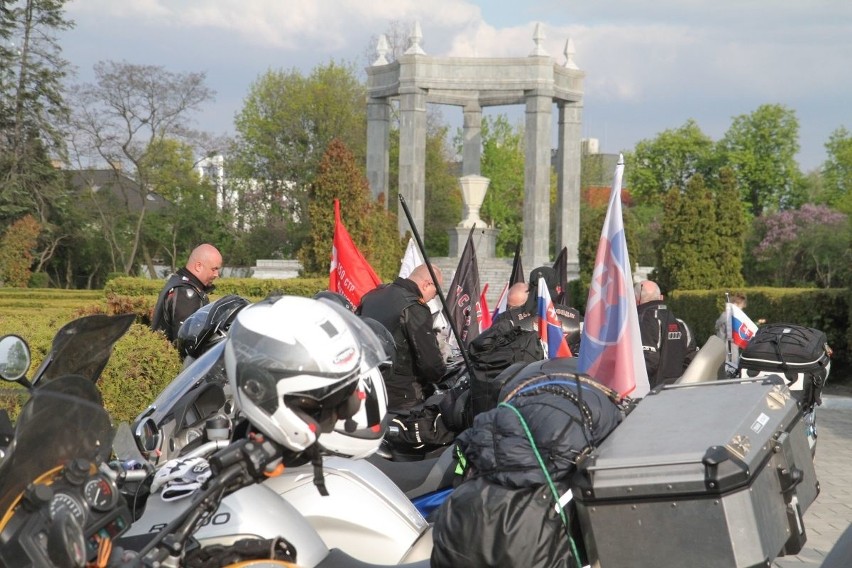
x: 401, y: 307
x: 186, y: 290
x: 667, y: 343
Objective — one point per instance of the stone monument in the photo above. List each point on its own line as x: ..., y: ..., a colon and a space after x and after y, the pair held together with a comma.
x: 473, y: 83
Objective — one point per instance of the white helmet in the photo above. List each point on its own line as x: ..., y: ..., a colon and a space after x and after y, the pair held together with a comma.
x: 361, y: 435
x: 294, y: 364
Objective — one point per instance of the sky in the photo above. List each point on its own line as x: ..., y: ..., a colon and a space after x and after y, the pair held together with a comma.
x: 650, y: 65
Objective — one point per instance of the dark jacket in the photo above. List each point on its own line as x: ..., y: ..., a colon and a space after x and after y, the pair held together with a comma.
x: 667, y: 343
x: 418, y: 362
x: 182, y: 295
x: 503, y: 514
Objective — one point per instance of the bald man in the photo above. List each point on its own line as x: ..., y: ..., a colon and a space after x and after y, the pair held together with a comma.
x: 667, y: 343
x: 186, y: 290
x: 401, y: 307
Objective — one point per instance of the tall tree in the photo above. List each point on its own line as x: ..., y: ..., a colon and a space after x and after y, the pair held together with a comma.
x: 837, y: 170
x: 689, y: 243
x: 731, y: 227
x: 668, y: 161
x: 122, y: 119
x: 172, y: 232
x: 32, y: 106
x: 285, y: 125
x: 761, y: 149
x: 372, y: 228
x: 503, y: 164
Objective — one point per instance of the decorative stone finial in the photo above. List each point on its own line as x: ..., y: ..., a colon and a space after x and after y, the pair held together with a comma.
x: 414, y: 39
x: 538, y: 38
x: 569, y: 54
x: 382, y: 49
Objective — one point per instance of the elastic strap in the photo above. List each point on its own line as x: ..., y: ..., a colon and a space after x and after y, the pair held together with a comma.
x: 553, y: 492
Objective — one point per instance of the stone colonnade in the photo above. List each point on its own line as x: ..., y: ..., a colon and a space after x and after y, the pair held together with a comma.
x: 416, y: 79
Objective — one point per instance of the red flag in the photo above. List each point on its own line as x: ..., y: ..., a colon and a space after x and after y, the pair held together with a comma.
x: 485, y: 315
x: 350, y: 273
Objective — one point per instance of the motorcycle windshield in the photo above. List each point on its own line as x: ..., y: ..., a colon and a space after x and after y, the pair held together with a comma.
x: 209, y: 367
x: 83, y: 347
x: 63, y: 419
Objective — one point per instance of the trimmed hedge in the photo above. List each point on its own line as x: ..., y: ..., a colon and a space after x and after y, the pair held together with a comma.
x: 823, y: 309
x: 143, y: 362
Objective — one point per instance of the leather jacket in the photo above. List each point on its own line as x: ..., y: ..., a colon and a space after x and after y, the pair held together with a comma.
x: 182, y: 295
x: 418, y: 362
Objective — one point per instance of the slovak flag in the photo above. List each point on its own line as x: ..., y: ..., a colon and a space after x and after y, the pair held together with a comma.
x: 740, y: 325
x: 611, y: 348
x: 549, y: 328
x: 349, y: 274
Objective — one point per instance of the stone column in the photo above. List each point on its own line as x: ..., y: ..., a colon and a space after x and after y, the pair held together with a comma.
x: 537, y: 180
x: 378, y: 144
x: 412, y: 157
x: 472, y: 148
x: 568, y: 184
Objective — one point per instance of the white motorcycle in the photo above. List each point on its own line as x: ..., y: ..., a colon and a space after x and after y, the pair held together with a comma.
x: 194, y: 417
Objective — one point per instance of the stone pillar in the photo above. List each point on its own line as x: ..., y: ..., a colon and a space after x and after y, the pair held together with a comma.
x: 412, y: 157
x: 378, y: 144
x: 568, y: 184
x: 472, y: 147
x: 537, y: 139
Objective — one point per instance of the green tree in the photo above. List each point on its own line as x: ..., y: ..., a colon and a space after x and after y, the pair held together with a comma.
x: 837, y: 170
x: 667, y: 161
x: 192, y: 217
x: 32, y: 112
x: 808, y: 246
x: 761, y: 149
x: 731, y: 227
x: 122, y: 119
x: 286, y: 124
x: 372, y: 228
x: 17, y: 248
x: 503, y: 164
x: 689, y: 243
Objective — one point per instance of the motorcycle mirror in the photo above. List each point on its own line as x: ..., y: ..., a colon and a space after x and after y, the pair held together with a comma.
x: 148, y: 435
x: 14, y: 358
x: 124, y: 445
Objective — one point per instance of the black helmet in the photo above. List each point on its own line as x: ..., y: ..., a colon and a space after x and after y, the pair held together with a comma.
x: 335, y: 297
x: 208, y: 325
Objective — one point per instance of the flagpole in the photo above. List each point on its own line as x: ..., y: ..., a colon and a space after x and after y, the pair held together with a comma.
x: 440, y: 292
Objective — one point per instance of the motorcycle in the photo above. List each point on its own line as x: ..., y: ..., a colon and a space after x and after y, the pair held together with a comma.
x: 59, y: 500
x: 195, y: 416
x: 59, y: 496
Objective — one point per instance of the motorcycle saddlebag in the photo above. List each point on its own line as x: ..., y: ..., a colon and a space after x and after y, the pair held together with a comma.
x: 713, y: 474
x: 799, y: 353
x: 782, y: 347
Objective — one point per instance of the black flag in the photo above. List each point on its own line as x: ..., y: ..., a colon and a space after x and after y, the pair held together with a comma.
x: 561, y: 268
x: 517, y: 274
x: 464, y: 294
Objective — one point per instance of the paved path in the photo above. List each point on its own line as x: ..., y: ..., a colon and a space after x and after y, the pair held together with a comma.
x: 831, y: 513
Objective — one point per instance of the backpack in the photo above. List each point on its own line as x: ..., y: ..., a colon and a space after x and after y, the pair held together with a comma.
x: 494, y: 351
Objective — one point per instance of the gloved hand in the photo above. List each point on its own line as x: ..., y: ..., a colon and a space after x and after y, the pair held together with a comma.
x: 180, y: 477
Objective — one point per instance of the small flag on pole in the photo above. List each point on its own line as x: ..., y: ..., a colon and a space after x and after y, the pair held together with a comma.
x: 741, y: 327
x: 549, y: 327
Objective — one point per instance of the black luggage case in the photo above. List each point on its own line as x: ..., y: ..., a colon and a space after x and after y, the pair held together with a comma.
x: 712, y: 474
x: 801, y: 354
